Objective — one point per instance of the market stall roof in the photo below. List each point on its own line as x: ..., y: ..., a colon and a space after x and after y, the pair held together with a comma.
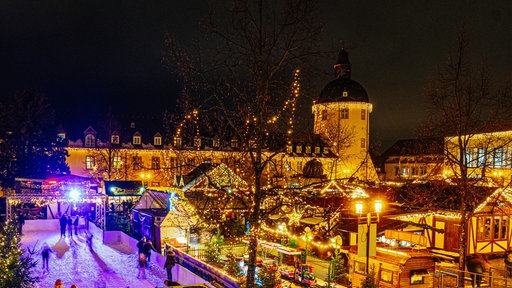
x: 153, y: 200
x: 312, y: 220
x: 123, y: 188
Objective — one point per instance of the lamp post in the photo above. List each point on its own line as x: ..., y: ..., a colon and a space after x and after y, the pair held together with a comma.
x: 307, y: 236
x: 359, y: 211
x: 282, y: 229
x: 145, y: 179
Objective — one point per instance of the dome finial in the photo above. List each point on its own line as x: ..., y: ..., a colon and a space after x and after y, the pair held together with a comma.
x: 342, y: 67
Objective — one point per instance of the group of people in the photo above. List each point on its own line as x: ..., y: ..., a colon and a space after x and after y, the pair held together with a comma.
x: 72, y: 223
x: 144, y: 249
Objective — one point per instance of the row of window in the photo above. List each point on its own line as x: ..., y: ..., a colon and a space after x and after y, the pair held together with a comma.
x: 407, y: 171
x: 344, y: 114
x: 496, y: 158
x: 492, y: 227
x: 117, y: 162
x: 90, y: 140
x: 386, y: 275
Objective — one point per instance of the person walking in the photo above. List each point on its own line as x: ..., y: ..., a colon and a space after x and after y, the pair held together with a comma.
x: 148, y: 246
x: 75, y: 224
x: 142, y: 266
x: 140, y: 244
x: 63, y: 222
x: 21, y: 222
x: 87, y: 220
x: 45, y: 253
x: 70, y: 226
x: 170, y: 261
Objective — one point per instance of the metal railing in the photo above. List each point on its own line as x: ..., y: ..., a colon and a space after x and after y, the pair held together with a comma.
x: 447, y: 277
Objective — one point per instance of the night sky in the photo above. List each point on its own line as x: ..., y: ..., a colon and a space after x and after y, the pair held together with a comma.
x: 88, y: 56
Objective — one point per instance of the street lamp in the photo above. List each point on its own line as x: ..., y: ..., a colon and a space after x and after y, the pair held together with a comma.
x: 307, y: 236
x: 359, y: 211
x: 282, y: 229
x: 145, y: 179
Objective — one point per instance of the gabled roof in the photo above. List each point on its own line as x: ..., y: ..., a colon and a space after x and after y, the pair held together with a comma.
x: 153, y: 200
x: 221, y: 174
x: 415, y: 147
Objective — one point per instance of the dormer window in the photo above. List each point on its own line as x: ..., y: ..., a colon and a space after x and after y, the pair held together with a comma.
x: 157, y: 140
x: 345, y: 93
x: 308, y: 149
x: 216, y: 142
x: 289, y: 149
x: 234, y: 143
x: 177, y: 141
x: 114, y: 139
x: 326, y: 150
x: 317, y: 149
x: 89, y: 140
x: 197, y: 142
x: 61, y: 136
x: 252, y: 144
x: 299, y: 149
x: 136, y: 140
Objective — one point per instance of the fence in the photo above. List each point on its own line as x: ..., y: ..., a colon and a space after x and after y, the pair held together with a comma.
x: 447, y: 277
x: 201, y: 253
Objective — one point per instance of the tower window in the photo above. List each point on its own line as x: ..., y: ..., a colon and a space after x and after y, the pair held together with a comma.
x: 344, y: 113
x: 324, y: 115
x: 363, y: 114
x: 363, y: 143
x: 345, y: 93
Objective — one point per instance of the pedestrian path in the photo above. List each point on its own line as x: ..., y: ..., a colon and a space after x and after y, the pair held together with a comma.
x: 99, y: 266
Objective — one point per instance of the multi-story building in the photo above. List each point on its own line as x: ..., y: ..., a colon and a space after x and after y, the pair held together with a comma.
x: 339, y: 143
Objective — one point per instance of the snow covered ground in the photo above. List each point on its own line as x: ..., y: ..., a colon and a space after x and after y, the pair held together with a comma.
x: 102, y: 266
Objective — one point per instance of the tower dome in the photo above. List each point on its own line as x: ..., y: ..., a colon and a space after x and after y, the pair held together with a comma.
x: 342, y: 88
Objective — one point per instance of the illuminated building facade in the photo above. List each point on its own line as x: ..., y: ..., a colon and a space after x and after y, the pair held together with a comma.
x: 339, y: 146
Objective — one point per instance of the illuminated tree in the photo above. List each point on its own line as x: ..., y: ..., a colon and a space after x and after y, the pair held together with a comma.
x: 241, y: 85
x: 463, y: 107
x: 15, y: 264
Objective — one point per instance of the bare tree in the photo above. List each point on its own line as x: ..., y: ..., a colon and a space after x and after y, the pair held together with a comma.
x: 466, y: 111
x: 255, y: 49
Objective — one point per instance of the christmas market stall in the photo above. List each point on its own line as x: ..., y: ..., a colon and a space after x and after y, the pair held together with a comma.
x: 393, y: 266
x: 50, y: 196
x: 162, y: 218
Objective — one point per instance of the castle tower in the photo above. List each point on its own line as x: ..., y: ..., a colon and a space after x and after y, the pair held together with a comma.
x: 342, y: 118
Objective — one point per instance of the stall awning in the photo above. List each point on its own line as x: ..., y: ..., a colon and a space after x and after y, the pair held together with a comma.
x: 312, y: 220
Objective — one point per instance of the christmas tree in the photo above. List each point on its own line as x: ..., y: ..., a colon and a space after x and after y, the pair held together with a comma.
x: 15, y: 264
x: 369, y: 281
x: 232, y: 265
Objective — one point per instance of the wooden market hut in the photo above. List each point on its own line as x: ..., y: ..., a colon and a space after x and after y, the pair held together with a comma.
x: 395, y: 267
x: 160, y: 219
x: 489, y: 230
